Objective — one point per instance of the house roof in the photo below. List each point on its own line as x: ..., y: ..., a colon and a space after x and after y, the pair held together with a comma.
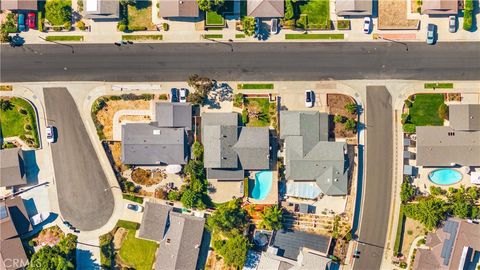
x: 101, y: 9
x: 12, y: 171
x: 440, y: 7
x: 154, y: 221
x: 291, y: 242
x: 168, y: 114
x: 253, y: 147
x: 464, y: 116
x: 18, y: 5
x: 148, y: 144
x: 308, y: 154
x: 265, y: 8
x: 181, y: 245
x: 353, y: 7
x: 443, y: 146
x: 178, y: 8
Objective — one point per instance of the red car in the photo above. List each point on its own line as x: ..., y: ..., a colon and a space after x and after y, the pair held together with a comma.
x: 31, y: 20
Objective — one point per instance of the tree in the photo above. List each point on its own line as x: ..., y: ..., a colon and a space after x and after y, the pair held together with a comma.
x: 289, y: 10
x: 4, y: 37
x: 234, y: 250
x: 462, y: 209
x: 443, y: 111
x: 128, y: 2
x: 174, y: 195
x: 351, y: 108
x: 197, y: 150
x: 248, y: 25
x: 435, y: 191
x: 429, y: 212
x: 6, y: 105
x: 218, y: 3
x: 229, y: 218
x: 409, y: 128
x: 272, y: 218
x: 408, y: 103
x: 351, y: 125
x: 204, y: 5
x: 58, y: 12
x: 61, y: 256
x: 407, y: 191
x: 338, y: 119
x: 189, y: 198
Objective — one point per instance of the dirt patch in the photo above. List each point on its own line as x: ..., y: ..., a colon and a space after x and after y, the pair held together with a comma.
x: 118, y: 237
x: 215, y: 262
x: 50, y: 236
x: 134, y: 118
x: 392, y: 14
x: 116, y: 154
x: 336, y: 106
x: 105, y: 115
x: 146, y: 177
x: 413, y: 229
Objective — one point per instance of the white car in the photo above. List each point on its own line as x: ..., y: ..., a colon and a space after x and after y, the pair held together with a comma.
x: 39, y: 218
x: 183, y: 95
x: 135, y: 207
x: 50, y: 134
x: 309, y: 98
x: 367, y: 24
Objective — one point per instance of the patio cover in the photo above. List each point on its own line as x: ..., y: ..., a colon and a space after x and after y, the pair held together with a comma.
x: 475, y: 178
x: 303, y: 190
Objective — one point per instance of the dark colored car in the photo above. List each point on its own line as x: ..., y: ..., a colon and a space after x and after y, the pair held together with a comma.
x: 431, y: 33
x: 21, y: 22
x: 31, y: 20
x: 174, y: 95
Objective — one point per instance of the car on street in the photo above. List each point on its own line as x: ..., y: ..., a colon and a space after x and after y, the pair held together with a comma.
x: 183, y: 95
x: 452, y: 24
x: 39, y: 218
x: 174, y: 95
x: 367, y: 24
x: 21, y: 22
x: 135, y: 207
x: 274, y: 29
x: 50, y: 130
x: 31, y: 20
x: 309, y: 98
x: 431, y: 30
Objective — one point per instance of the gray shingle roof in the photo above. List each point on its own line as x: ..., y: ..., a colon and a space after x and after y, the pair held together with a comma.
x: 308, y: 154
x: 12, y: 171
x: 464, y: 116
x: 219, y: 142
x: 147, y: 144
x: 178, y: 8
x: 18, y: 5
x: 154, y: 221
x: 353, y: 7
x: 265, y: 8
x: 177, y: 114
x: 253, y: 148
x: 290, y: 242
x: 439, y: 7
x: 105, y: 9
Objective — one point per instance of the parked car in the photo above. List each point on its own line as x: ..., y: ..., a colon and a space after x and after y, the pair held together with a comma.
x: 50, y: 130
x: 452, y: 24
x: 21, y: 22
x: 174, y: 95
x: 274, y: 29
x: 431, y: 30
x: 31, y: 20
x: 39, y: 218
x: 183, y: 95
x: 367, y: 24
x: 309, y: 98
x: 257, y: 27
x: 135, y: 207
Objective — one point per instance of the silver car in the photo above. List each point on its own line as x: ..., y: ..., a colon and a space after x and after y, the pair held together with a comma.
x: 452, y: 24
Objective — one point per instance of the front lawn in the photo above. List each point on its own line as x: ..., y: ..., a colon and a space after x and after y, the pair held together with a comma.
x: 260, y: 112
x: 64, y: 38
x: 140, y: 16
x: 138, y: 253
x: 241, y: 86
x: 317, y: 13
x: 19, y: 119
x: 210, y: 36
x: 214, y: 18
x: 424, y: 110
x: 142, y: 37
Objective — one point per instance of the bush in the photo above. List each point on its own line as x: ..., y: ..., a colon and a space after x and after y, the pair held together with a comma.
x: 174, y: 195
x: 338, y: 119
x: 351, y: 125
x: 408, y: 103
x: 409, y: 128
x: 122, y: 26
x: 289, y: 10
x: 28, y: 127
x: 67, y: 26
x: 238, y: 100
x: 40, y: 21
x: 248, y: 24
x: 81, y: 25
x: 468, y: 15
x: 302, y: 21
x: 23, y: 111
x: 435, y: 191
x: 147, y: 97
x: 163, y: 97
x: 343, y: 24
x: 351, y: 108
x: 245, y: 116
x: 405, y: 118
x: 165, y: 26
x: 443, y: 111
x: 58, y: 12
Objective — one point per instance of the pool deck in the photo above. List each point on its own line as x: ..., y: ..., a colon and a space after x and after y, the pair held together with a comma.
x: 225, y: 190
x: 272, y: 197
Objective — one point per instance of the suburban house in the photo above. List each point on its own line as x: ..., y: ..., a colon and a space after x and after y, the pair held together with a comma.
x: 313, y: 165
x: 178, y: 8
x: 457, y: 144
x: 13, y: 223
x: 296, y: 250
x: 163, y: 141
x: 265, y: 8
x: 353, y: 7
x: 19, y: 5
x: 12, y: 170
x: 440, y: 7
x: 101, y: 9
x: 179, y: 236
x: 455, y: 245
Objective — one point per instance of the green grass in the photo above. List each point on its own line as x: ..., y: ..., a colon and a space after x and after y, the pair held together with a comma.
x: 438, y: 85
x: 142, y: 37
x: 140, y: 16
x: 212, y: 36
x: 264, y: 105
x: 138, y: 253
x: 399, y: 237
x: 314, y: 36
x: 64, y: 38
x: 424, y: 111
x: 133, y: 198
x: 214, y: 18
x: 239, y: 35
x: 12, y: 122
x: 318, y: 13
x: 255, y: 86
x: 130, y: 225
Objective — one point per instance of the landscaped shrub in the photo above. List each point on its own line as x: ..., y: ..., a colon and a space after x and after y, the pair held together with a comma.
x: 10, y: 24
x: 338, y: 119
x: 351, y: 125
x: 136, y: 97
x: 351, y: 108
x: 409, y: 128
x: 289, y: 10
x: 248, y: 25
x: 443, y: 111
x: 137, y: 28
x: 343, y: 24
x: 302, y: 22
x: 122, y: 26
x: 67, y: 26
x: 238, y: 100
x: 408, y: 103
x: 468, y: 15
x: 81, y: 25
x: 245, y: 116
x: 174, y: 195
x: 165, y: 26
x: 40, y: 21
x: 163, y: 97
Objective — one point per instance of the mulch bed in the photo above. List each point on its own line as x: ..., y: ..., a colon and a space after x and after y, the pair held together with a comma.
x: 336, y: 105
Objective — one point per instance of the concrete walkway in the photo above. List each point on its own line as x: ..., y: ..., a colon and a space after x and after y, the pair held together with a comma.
x: 117, y: 125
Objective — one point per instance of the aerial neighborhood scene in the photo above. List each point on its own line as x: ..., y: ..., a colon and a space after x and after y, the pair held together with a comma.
x: 239, y: 134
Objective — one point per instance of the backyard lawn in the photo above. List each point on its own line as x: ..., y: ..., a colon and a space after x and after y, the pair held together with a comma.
x: 19, y: 120
x: 318, y: 13
x: 424, y: 111
x: 140, y: 16
x: 137, y: 252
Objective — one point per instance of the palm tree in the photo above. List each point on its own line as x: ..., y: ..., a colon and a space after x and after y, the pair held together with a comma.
x: 272, y: 218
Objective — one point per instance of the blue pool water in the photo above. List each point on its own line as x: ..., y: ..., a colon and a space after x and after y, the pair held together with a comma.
x: 263, y: 184
x: 445, y: 176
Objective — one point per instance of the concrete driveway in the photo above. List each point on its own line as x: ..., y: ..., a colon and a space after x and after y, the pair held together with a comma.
x: 79, y: 177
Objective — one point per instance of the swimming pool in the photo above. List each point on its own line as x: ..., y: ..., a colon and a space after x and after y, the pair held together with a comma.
x: 445, y: 176
x: 263, y: 184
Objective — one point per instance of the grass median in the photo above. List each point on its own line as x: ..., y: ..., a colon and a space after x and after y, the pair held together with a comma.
x: 249, y: 86
x: 142, y: 37
x: 207, y: 36
x: 438, y: 85
x: 314, y: 36
x: 64, y: 38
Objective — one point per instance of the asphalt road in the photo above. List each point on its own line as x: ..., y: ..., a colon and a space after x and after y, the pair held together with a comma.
x: 247, y: 61
x: 79, y: 177
x: 378, y: 179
